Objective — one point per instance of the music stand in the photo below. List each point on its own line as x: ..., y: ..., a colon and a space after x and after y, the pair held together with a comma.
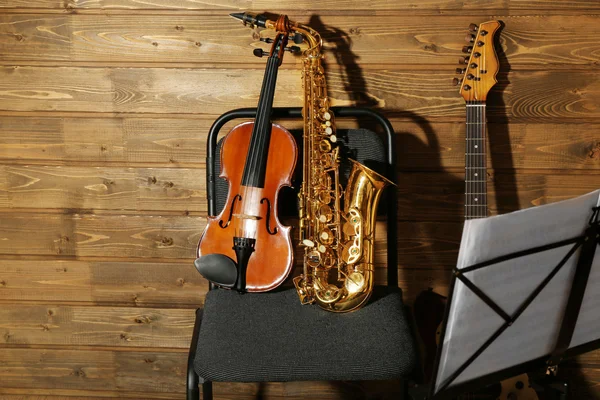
x: 518, y: 298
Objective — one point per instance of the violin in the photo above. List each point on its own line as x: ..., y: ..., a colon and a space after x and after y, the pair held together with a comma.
x: 245, y: 247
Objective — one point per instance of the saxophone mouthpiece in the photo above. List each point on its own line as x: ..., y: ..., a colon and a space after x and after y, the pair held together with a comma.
x: 250, y: 19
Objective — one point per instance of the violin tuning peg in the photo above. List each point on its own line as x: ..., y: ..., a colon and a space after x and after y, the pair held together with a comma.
x: 470, y: 38
x: 292, y: 49
x: 455, y: 81
x: 467, y: 49
x: 473, y: 27
x: 260, y: 53
x: 266, y: 40
x: 297, y: 38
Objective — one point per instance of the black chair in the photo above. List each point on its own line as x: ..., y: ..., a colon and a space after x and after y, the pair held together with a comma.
x: 272, y: 337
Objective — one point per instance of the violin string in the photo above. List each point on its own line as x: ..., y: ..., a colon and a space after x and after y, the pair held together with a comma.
x: 257, y: 141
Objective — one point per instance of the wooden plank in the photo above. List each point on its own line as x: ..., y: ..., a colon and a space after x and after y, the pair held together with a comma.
x: 430, y: 6
x: 94, y: 372
x: 421, y: 196
x: 421, y: 145
x: 142, y: 284
x: 440, y: 196
x: 431, y: 146
x: 543, y: 96
x: 134, y: 284
x: 172, y: 142
x: 403, y: 42
x: 583, y: 374
x: 151, y: 372
x: 88, y: 235
x: 53, y: 394
x: 63, y: 397
x: 103, y: 188
x: 100, y: 236
x: 96, y: 326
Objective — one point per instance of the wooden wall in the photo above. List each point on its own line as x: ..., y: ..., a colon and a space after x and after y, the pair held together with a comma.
x: 104, y: 109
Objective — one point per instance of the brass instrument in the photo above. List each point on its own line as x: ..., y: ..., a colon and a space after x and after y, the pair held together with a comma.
x: 338, y: 243
x: 335, y: 239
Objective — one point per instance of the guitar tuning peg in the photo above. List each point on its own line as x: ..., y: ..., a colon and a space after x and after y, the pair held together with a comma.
x: 463, y: 60
x: 260, y: 53
x: 473, y: 27
x: 461, y: 71
x: 455, y: 81
x: 467, y: 49
x: 470, y: 38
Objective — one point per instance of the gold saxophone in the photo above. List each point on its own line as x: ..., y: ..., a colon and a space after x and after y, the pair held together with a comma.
x: 334, y: 239
x: 338, y: 243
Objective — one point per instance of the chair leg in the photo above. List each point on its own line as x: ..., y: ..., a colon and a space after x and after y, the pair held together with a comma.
x: 193, y: 392
x: 404, y: 395
x: 207, y: 391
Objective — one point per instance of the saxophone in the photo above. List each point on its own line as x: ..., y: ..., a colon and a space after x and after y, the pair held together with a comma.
x: 337, y: 230
x: 338, y: 239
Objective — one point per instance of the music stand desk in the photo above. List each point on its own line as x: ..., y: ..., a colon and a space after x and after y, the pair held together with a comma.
x: 525, y: 293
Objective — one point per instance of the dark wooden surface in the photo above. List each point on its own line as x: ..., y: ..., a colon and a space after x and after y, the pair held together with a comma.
x: 104, y: 110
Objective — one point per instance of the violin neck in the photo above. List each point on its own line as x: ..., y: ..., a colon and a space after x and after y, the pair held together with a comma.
x: 256, y: 160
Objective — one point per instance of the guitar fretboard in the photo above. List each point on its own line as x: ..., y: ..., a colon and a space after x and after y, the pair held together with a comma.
x: 475, y: 162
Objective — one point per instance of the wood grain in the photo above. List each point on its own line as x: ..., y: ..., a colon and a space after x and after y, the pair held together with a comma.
x: 143, y: 284
x: 88, y: 235
x: 422, y: 144
x: 133, y: 284
x: 421, y: 196
x: 96, y: 326
x: 543, y: 96
x: 170, y: 142
x: 158, y: 375
x: 104, y: 110
x: 103, y: 188
x: 100, y: 236
x: 150, y: 372
x: 402, y: 42
x: 347, y: 6
x: 440, y: 196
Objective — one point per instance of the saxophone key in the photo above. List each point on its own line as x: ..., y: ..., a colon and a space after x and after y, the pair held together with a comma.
x: 325, y: 214
x: 326, y: 237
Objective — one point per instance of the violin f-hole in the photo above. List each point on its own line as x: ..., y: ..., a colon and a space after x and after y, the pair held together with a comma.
x: 275, y: 230
x: 226, y: 224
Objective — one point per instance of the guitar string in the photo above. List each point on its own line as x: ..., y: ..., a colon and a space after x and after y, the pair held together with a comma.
x: 483, y: 144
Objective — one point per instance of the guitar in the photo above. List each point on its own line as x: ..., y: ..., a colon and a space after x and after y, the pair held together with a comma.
x: 479, y: 69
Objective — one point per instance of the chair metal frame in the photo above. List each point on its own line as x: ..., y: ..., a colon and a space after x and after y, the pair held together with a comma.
x: 193, y: 391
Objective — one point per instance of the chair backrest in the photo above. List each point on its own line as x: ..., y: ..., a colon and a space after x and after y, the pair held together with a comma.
x: 362, y: 145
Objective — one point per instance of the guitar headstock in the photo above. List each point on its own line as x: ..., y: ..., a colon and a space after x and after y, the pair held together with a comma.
x: 480, y: 65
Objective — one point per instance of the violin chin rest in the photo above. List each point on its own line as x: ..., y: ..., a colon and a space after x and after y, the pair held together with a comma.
x: 217, y: 268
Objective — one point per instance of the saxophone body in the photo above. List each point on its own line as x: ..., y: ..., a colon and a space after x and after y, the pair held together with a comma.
x: 337, y: 228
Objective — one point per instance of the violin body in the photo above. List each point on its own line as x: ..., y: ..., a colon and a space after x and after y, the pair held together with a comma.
x: 252, y: 211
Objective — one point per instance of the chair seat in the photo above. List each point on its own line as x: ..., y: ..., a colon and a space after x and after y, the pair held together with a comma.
x: 272, y: 337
